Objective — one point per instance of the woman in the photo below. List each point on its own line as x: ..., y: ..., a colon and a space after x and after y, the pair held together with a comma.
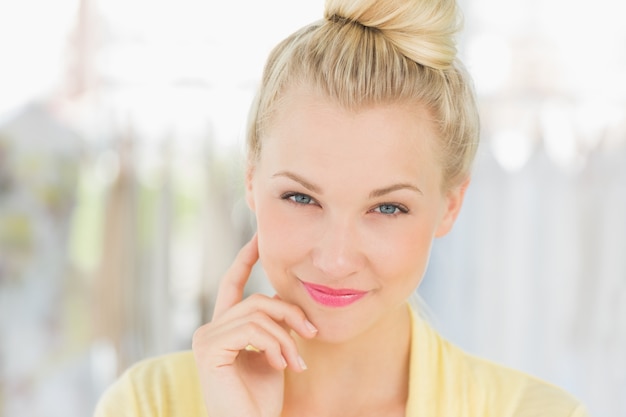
x: 360, y: 145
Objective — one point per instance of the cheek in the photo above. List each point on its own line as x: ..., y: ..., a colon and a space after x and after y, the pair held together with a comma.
x: 282, y: 237
x: 271, y: 232
x: 404, y: 254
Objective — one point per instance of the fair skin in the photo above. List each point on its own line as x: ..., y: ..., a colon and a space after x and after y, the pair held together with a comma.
x: 347, y: 206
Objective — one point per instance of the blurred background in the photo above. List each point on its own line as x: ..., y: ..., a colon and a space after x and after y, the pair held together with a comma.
x: 121, y: 132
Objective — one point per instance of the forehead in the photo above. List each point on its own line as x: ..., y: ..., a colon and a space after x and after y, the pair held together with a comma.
x: 314, y: 135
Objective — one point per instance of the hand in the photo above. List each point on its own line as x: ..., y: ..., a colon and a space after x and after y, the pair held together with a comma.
x: 242, y: 353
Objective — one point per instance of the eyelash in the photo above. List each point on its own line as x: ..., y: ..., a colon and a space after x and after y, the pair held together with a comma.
x: 291, y: 196
x: 399, y: 208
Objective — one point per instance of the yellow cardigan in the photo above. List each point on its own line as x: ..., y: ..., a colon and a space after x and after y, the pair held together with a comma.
x: 444, y: 382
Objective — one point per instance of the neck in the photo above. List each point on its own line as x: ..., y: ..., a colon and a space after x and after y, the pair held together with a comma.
x: 349, y: 370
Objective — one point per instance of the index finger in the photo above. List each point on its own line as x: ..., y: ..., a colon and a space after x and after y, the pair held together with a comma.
x: 234, y: 281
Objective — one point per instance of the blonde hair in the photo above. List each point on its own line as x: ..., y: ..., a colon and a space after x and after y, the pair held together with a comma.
x: 368, y: 52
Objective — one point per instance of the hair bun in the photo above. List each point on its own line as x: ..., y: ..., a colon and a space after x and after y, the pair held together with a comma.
x: 423, y: 30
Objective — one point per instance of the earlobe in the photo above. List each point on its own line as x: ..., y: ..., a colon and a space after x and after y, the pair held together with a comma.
x: 453, y: 203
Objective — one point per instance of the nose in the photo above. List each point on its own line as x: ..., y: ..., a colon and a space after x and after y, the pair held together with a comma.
x: 337, y: 253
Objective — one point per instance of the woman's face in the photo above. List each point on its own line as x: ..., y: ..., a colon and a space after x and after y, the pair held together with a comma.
x: 347, y: 205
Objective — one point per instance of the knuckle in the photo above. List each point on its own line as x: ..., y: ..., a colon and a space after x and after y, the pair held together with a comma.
x: 258, y: 317
x: 199, y: 335
x: 295, y: 312
x: 196, y: 340
x: 253, y: 329
x: 257, y: 298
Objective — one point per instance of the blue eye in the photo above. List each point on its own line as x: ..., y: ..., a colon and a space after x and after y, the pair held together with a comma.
x: 391, y: 209
x: 302, y: 199
x: 298, y: 198
x: 387, y: 209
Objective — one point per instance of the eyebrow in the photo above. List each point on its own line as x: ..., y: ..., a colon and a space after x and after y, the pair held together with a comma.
x: 311, y: 187
x: 403, y: 186
x: 374, y: 194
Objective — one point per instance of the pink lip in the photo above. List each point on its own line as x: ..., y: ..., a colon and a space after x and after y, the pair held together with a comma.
x: 333, y: 297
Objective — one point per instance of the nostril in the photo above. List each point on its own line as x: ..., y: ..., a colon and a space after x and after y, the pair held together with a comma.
x: 336, y: 253
x: 336, y: 264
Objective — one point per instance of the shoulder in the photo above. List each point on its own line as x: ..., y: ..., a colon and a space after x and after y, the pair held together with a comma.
x: 517, y: 394
x: 162, y: 386
x: 458, y: 383
x: 171, y: 367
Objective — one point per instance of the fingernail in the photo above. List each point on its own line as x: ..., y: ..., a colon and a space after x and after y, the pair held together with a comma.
x: 310, y: 326
x: 301, y: 362
x: 284, y: 362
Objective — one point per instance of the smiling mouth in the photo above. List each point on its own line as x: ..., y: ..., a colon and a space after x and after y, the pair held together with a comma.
x: 333, y: 297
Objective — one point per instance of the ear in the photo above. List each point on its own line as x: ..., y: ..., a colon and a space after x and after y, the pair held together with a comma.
x: 453, y: 200
x: 249, y: 187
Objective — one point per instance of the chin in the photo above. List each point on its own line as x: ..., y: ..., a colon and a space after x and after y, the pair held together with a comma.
x: 337, y: 325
